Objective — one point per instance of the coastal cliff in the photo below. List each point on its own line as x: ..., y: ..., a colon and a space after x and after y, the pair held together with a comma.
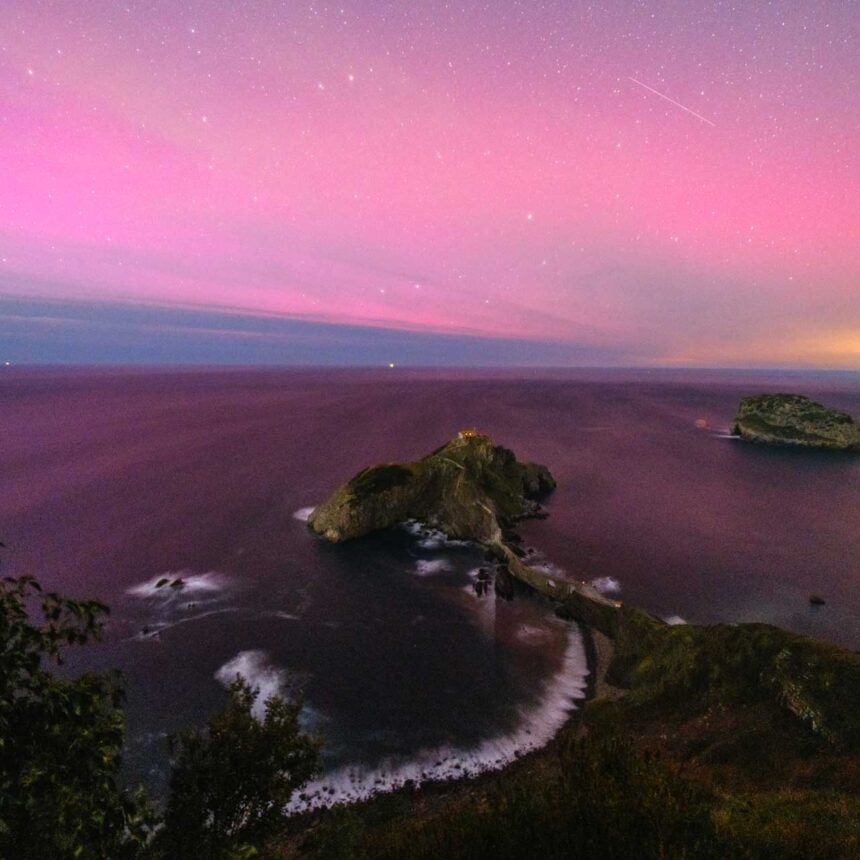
x: 795, y: 420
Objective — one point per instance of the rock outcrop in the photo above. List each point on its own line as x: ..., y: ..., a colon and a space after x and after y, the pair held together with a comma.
x: 791, y: 419
x: 469, y: 489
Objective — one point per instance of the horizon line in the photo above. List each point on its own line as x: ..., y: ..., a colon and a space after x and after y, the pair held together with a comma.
x: 201, y: 365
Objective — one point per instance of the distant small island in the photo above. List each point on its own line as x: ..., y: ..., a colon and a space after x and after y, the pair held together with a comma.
x: 795, y: 420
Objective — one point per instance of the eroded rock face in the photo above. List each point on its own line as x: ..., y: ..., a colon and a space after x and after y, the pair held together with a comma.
x: 791, y: 419
x: 469, y: 489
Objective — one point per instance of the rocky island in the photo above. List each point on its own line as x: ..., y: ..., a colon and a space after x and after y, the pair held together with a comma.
x: 797, y: 421
x: 469, y: 489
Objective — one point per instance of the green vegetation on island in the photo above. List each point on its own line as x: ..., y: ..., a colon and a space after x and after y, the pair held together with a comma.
x: 468, y: 488
x: 797, y: 421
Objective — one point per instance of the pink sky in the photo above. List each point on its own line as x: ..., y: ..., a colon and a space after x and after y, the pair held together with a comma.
x: 491, y: 170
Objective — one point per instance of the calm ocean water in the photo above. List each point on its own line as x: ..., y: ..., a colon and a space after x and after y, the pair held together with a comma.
x: 113, y: 479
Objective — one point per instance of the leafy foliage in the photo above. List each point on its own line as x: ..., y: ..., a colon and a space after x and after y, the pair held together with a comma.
x: 232, y: 780
x: 60, y: 738
x: 601, y: 799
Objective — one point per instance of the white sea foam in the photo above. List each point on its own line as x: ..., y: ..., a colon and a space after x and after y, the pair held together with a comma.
x: 303, y: 514
x: 256, y: 668
x: 153, y: 630
x: 536, y: 727
x: 675, y: 619
x: 439, y: 540
x: 197, y: 584
x: 194, y: 597
x: 430, y: 538
x: 606, y: 584
x: 428, y: 567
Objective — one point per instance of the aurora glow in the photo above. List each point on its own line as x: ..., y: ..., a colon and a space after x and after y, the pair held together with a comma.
x: 479, y: 175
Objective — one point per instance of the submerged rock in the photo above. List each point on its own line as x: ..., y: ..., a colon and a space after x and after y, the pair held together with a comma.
x: 792, y: 419
x: 469, y: 489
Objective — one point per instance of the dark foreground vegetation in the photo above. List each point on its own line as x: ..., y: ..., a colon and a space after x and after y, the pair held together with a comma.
x: 61, y: 743
x: 728, y: 741
x: 593, y: 796
x: 60, y: 739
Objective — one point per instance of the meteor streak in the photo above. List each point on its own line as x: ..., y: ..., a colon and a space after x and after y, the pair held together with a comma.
x: 672, y: 101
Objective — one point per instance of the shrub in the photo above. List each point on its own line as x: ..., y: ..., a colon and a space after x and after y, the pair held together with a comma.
x: 60, y: 738
x: 232, y: 780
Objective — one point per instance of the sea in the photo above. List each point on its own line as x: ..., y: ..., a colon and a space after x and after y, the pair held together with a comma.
x: 179, y: 497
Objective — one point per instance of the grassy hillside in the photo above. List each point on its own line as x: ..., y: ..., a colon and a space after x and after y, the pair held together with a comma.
x: 729, y: 741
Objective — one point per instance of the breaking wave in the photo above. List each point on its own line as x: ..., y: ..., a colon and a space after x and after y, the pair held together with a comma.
x: 538, y: 724
x: 427, y: 567
x: 430, y: 538
x: 303, y: 514
x: 179, y: 585
x: 256, y: 668
x: 179, y: 597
